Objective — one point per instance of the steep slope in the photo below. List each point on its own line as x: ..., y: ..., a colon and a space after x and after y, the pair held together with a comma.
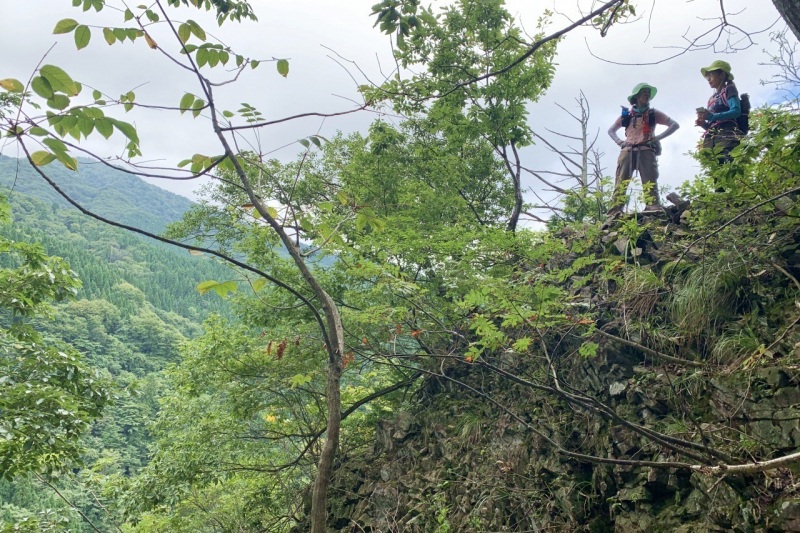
x: 682, y: 358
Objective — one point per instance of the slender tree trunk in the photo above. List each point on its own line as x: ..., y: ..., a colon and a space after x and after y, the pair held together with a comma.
x: 790, y: 11
x: 334, y: 335
x: 516, y: 177
x: 319, y: 495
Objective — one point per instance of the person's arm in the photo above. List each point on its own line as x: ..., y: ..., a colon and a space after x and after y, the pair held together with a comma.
x: 671, y: 125
x: 612, y: 132
x: 734, y: 111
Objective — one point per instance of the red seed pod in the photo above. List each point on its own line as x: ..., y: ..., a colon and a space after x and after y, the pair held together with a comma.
x: 281, y: 349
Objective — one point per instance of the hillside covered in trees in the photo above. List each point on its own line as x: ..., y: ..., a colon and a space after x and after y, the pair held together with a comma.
x: 136, y: 301
x: 390, y: 345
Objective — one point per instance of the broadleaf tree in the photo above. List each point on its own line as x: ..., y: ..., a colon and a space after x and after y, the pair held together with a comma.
x: 48, y: 394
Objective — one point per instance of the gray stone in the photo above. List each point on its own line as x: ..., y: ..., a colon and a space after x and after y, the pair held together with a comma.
x: 635, y: 494
x: 787, y: 397
x: 775, y: 377
x: 617, y: 388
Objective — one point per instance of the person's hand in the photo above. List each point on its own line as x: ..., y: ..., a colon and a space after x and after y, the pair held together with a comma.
x: 700, y: 122
x: 702, y: 115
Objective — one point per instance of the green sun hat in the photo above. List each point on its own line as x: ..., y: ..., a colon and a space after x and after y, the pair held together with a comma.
x: 719, y: 64
x: 638, y: 88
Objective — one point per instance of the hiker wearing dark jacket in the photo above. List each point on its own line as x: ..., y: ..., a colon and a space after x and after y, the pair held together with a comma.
x: 723, y: 108
x: 640, y: 147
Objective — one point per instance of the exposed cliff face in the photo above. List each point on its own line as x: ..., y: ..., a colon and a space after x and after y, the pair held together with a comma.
x: 489, y: 445
x: 459, y: 465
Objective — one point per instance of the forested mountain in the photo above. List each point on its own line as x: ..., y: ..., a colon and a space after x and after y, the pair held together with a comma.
x: 136, y: 302
x: 103, y: 256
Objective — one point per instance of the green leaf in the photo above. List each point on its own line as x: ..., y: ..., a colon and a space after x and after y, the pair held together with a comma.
x: 93, y: 112
x: 126, y: 129
x: 226, y: 164
x: 213, y: 58
x: 82, y: 36
x: 201, y: 57
x: 97, y: 95
x: 42, y: 87
x: 271, y: 211
x: 39, y: 132
x: 304, y: 142
x: 58, y: 101
x: 186, y: 102
x: 55, y: 145
x: 67, y: 161
x: 298, y: 380
x: 109, y: 36
x: 42, y: 158
x: 259, y: 284
x: 65, y: 26
x: 11, y: 85
x: 104, y: 127
x: 184, y: 32
x: 222, y: 289
x: 316, y: 141
x: 521, y: 345
x: 306, y: 224
x: 197, y: 107
x: 283, y: 67
x: 59, y: 80
x: 66, y: 124
x: 128, y: 15
x: 196, y: 30
x: 15, y: 131
x: 588, y: 349
x: 85, y: 126
x: 228, y: 114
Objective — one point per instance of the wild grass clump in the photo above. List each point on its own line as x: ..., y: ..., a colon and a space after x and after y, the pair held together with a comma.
x: 734, y: 345
x: 708, y: 297
x: 640, y: 292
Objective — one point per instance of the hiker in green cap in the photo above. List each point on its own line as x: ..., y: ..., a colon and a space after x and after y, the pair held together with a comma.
x: 719, y: 117
x: 640, y: 147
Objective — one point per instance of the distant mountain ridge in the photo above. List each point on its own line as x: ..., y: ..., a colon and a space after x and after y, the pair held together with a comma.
x: 104, y: 257
x: 113, y: 194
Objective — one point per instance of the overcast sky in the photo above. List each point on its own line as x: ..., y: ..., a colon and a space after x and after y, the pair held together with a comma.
x: 319, y: 37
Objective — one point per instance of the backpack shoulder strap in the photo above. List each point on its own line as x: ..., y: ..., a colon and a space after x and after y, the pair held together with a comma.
x: 626, y: 119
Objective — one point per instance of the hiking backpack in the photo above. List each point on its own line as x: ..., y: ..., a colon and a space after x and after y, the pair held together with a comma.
x: 651, y: 117
x: 743, y: 120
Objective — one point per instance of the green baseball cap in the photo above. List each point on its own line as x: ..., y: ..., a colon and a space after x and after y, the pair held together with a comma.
x: 724, y: 66
x: 638, y: 89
